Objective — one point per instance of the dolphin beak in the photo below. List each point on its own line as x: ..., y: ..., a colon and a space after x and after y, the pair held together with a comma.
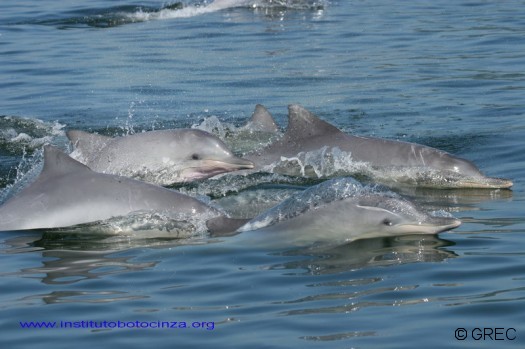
x: 210, y: 168
x: 242, y: 164
x: 435, y: 225
x: 233, y: 164
x: 485, y: 183
x: 442, y: 224
x: 499, y: 183
x: 432, y: 225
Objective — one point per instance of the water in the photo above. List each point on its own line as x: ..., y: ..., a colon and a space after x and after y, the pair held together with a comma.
x: 446, y: 74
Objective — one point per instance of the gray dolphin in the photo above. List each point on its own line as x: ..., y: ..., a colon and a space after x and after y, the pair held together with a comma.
x: 307, y: 133
x: 162, y: 157
x: 342, y: 210
x: 68, y: 193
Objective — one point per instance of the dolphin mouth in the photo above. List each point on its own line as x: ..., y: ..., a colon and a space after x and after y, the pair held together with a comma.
x: 433, y: 225
x: 235, y: 165
x: 215, y: 167
x: 486, y: 183
x: 442, y: 224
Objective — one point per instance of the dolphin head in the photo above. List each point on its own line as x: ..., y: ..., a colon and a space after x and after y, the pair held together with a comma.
x: 391, y: 216
x: 462, y: 173
x: 205, y: 156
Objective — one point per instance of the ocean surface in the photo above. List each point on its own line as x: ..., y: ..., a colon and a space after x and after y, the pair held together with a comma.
x: 448, y: 74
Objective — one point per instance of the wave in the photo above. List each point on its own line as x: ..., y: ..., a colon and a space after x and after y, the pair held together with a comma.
x: 240, y: 140
x: 20, y: 142
x: 142, y: 225
x: 22, y: 135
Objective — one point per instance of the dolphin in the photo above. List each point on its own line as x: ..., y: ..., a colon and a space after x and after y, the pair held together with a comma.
x: 342, y: 210
x: 163, y: 157
x: 67, y: 193
x: 307, y: 133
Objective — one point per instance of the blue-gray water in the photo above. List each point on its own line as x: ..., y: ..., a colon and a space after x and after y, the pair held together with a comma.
x: 449, y: 74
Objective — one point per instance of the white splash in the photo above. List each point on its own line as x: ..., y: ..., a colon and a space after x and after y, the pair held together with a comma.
x: 188, y: 11
x: 27, y: 133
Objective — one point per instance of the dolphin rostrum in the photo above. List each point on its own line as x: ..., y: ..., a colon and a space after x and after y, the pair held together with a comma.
x: 307, y: 133
x: 343, y: 210
x: 67, y: 193
x: 162, y: 157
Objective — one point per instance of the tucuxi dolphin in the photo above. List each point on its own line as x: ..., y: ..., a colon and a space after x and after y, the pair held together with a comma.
x: 163, y: 157
x: 67, y: 193
x: 342, y: 210
x: 307, y: 133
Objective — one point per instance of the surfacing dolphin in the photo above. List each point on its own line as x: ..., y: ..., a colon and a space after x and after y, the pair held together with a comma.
x: 162, y: 157
x: 68, y: 193
x: 342, y: 210
x: 307, y: 133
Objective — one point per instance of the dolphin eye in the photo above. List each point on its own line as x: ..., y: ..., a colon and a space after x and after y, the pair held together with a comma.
x: 387, y: 222
x: 195, y: 157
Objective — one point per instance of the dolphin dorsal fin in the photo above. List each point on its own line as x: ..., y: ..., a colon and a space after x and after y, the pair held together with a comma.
x: 303, y: 124
x: 262, y: 120
x: 87, y: 143
x: 58, y: 163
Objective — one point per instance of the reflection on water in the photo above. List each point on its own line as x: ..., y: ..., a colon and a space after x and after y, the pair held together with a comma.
x: 460, y: 199
x: 365, y: 253
x: 66, y: 267
x: 68, y: 261
x: 56, y: 297
x: 340, y: 336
